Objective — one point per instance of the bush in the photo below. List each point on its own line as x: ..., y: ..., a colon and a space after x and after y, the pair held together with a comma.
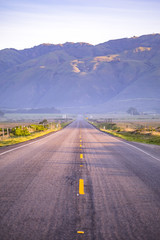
x: 109, y: 126
x: 37, y: 128
x: 26, y: 131
x: 19, y: 131
x: 40, y: 128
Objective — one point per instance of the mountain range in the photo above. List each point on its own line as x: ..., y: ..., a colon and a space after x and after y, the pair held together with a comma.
x: 80, y: 77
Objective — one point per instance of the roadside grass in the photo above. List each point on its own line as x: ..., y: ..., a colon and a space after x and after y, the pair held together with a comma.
x: 15, y: 140
x: 133, y: 136
x: 18, y: 139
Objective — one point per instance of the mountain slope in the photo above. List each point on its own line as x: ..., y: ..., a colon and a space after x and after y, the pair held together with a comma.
x: 81, y: 77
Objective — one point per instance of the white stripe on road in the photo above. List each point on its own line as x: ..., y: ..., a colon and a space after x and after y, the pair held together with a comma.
x: 134, y: 147
x: 141, y: 150
x: 25, y: 145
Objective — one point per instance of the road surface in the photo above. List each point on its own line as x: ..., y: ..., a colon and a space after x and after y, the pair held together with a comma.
x: 80, y: 183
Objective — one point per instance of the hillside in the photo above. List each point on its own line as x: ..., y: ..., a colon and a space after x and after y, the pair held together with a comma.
x: 79, y: 77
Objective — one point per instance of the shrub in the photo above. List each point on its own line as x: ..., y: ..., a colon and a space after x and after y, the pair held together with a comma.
x: 109, y: 126
x: 26, y: 131
x: 19, y: 131
x: 40, y: 128
x: 37, y: 128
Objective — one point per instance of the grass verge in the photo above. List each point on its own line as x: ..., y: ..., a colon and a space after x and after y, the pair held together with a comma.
x: 132, y: 136
x: 15, y: 140
x: 135, y: 137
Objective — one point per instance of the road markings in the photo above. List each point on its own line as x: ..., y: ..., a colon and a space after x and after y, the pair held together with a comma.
x: 81, y: 181
x: 27, y: 144
x: 81, y: 186
x: 158, y: 159
x: 80, y: 232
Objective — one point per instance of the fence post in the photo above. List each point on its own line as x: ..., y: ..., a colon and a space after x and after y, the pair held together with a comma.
x: 7, y: 132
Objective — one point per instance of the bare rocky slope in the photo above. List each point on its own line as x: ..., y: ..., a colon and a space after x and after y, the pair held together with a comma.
x: 80, y: 77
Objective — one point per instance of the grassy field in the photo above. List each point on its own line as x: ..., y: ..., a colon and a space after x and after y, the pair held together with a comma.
x: 143, y: 131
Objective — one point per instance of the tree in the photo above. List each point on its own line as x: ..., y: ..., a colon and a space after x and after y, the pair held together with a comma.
x: 132, y: 111
x: 44, y: 122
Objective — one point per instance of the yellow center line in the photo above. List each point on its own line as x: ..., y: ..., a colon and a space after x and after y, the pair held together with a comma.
x: 81, y: 156
x: 80, y: 145
x: 80, y: 140
x: 81, y: 186
x: 81, y: 165
x: 81, y: 232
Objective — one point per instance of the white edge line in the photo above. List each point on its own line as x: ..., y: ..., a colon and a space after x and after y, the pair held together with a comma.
x: 132, y: 146
x: 141, y: 150
x: 26, y: 144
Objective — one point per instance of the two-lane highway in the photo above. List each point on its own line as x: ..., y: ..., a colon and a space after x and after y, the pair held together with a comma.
x: 80, y: 183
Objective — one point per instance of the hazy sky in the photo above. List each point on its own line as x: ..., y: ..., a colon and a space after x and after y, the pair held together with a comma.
x: 26, y: 23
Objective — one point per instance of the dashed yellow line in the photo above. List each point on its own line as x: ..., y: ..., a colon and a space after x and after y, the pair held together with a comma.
x: 81, y: 156
x: 81, y: 232
x: 81, y: 186
x: 80, y: 145
x: 80, y: 140
x: 81, y: 165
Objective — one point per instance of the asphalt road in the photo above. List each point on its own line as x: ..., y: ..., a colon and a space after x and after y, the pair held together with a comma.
x: 80, y: 183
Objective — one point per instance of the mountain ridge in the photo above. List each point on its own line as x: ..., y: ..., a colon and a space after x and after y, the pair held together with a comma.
x: 80, y: 76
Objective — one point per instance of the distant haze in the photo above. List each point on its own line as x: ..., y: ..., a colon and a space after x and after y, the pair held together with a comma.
x: 80, y: 77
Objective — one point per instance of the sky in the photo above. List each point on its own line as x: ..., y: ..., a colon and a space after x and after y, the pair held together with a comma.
x: 27, y: 23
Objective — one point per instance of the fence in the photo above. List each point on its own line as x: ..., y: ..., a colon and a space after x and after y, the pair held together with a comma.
x: 7, y: 132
